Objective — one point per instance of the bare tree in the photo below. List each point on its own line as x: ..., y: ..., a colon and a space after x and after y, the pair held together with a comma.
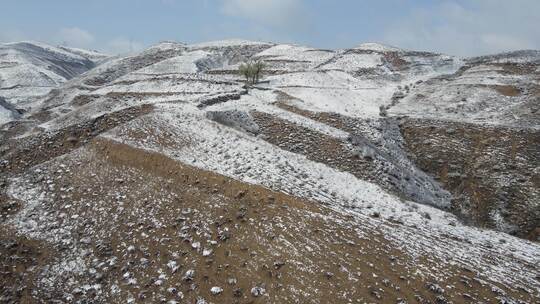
x: 251, y: 71
x: 258, y: 67
x: 245, y: 69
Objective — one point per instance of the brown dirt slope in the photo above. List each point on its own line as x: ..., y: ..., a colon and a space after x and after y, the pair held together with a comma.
x: 145, y: 220
x: 491, y: 171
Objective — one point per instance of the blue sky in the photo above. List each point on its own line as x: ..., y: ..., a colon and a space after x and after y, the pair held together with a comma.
x: 457, y: 27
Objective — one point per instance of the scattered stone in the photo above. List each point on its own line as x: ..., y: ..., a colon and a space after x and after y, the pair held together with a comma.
x: 441, y: 300
x: 172, y: 265
x: 435, y: 288
x: 201, y: 301
x: 207, y: 252
x: 224, y: 235
x: 257, y: 291
x: 216, y: 290
x: 189, y: 275
x: 279, y: 264
x: 376, y: 294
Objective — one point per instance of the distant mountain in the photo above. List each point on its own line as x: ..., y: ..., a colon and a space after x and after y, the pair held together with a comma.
x: 522, y: 56
x: 94, y: 56
x: 29, y: 70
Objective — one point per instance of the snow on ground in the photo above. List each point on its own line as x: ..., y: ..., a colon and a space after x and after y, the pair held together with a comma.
x: 30, y: 70
x: 250, y: 159
x: 486, y: 75
x: 26, y: 97
x: 176, y: 80
x: 358, y: 103
x: 226, y: 43
x: 230, y: 152
x: 5, y: 115
x: 177, y: 87
x: 169, y: 85
x: 308, y: 58
x: 334, y: 91
x: 186, y: 63
x: 351, y: 62
x: 42, y: 47
x: 522, y: 56
x: 377, y: 47
x: 90, y: 54
x: 167, y: 45
x: 318, y: 79
x: 316, y: 90
x: 262, y: 101
x: 482, y: 94
x: 18, y: 71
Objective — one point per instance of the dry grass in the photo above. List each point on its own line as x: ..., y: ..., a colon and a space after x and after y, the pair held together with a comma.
x: 506, y: 90
x: 298, y: 250
x: 485, y: 168
x: 266, y: 228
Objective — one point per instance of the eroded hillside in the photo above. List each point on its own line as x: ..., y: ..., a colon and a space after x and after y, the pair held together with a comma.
x: 344, y: 176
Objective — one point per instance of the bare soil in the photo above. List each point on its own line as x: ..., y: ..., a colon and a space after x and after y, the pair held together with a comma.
x: 488, y: 169
x: 19, y: 154
x: 153, y: 217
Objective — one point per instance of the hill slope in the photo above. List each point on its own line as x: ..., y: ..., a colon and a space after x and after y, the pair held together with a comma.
x: 29, y: 70
x: 160, y: 177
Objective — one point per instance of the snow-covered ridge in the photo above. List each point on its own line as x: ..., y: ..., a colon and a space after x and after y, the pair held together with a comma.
x: 354, y: 82
x: 94, y: 56
x: 30, y: 70
x: 377, y: 47
x: 227, y: 43
x: 521, y: 56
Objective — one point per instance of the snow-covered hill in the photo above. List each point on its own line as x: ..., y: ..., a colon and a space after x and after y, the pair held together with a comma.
x: 30, y: 70
x: 343, y: 176
x: 496, y: 90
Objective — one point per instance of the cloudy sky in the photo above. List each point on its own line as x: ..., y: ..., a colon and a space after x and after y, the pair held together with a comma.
x: 457, y: 27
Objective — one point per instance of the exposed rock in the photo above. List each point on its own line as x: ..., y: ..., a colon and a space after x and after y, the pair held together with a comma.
x: 257, y: 291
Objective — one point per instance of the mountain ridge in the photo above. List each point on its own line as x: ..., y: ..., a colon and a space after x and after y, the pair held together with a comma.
x: 29, y: 70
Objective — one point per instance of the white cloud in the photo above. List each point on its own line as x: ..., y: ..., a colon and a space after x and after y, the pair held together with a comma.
x: 470, y: 27
x: 123, y: 45
x: 75, y: 37
x: 277, y: 13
